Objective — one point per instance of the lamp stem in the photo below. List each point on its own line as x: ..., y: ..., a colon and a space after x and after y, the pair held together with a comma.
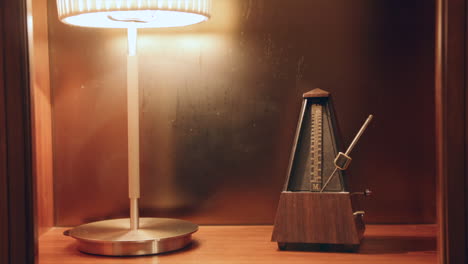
x: 133, y: 126
x: 132, y: 40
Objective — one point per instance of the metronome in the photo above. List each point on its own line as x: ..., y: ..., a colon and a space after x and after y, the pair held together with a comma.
x: 315, y: 206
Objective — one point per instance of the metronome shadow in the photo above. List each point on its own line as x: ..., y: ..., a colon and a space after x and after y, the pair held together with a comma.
x: 373, y: 245
x: 313, y: 247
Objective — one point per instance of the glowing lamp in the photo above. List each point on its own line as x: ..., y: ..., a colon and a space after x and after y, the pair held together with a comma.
x: 133, y: 236
x: 133, y: 13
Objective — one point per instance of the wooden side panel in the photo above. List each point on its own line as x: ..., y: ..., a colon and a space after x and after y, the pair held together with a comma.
x: 450, y: 98
x: 466, y: 131
x: 17, y: 160
x: 306, y: 217
x: 4, y: 234
x: 41, y: 116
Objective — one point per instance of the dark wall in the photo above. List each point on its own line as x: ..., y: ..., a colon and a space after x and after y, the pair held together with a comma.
x: 220, y: 103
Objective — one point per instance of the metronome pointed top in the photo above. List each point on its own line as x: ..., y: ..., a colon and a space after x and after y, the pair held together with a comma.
x: 316, y: 93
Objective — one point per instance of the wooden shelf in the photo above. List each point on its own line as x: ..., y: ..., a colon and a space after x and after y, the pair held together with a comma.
x: 251, y: 244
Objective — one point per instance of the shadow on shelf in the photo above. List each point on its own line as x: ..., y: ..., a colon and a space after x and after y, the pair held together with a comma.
x: 373, y: 245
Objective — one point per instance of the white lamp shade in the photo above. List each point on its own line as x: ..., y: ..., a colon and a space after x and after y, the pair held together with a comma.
x: 133, y: 13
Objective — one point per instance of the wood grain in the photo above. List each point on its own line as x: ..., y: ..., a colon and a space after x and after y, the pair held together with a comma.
x: 307, y: 217
x: 41, y: 116
x: 16, y: 154
x: 4, y: 234
x: 251, y: 244
x: 451, y: 138
x: 317, y: 92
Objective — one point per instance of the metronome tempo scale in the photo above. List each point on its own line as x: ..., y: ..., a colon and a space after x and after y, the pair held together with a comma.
x: 315, y: 206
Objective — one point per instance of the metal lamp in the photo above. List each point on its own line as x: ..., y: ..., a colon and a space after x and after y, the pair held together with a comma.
x: 133, y: 236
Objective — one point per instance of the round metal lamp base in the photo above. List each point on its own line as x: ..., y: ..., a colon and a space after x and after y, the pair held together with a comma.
x: 114, y: 237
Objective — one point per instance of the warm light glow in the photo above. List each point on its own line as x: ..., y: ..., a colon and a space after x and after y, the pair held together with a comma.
x: 133, y: 13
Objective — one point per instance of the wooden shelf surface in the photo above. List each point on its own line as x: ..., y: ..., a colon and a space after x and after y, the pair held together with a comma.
x: 251, y: 244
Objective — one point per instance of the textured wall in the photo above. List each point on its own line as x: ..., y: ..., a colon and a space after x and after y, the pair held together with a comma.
x: 220, y: 102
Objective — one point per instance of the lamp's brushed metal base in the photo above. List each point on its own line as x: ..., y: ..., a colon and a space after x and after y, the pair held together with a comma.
x: 114, y: 237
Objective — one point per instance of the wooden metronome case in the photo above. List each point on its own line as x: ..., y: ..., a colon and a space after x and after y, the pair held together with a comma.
x: 308, y: 217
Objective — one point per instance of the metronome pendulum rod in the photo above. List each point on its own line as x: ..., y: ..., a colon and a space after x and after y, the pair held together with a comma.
x: 133, y: 127
x: 345, y: 155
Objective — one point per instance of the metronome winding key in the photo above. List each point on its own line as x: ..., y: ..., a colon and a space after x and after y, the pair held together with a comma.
x: 366, y: 193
